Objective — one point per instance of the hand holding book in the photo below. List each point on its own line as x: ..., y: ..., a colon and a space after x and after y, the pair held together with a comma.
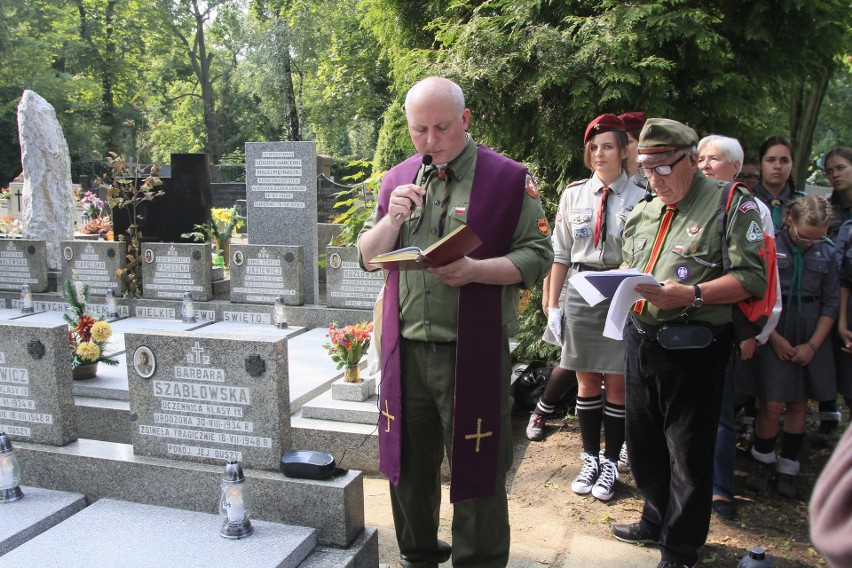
x: 452, y: 247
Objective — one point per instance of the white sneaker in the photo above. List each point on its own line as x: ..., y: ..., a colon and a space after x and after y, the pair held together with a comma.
x: 535, y: 428
x: 585, y: 480
x: 623, y: 462
x: 604, y: 488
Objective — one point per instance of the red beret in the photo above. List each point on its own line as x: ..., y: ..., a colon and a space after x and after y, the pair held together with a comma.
x: 633, y: 120
x: 603, y: 123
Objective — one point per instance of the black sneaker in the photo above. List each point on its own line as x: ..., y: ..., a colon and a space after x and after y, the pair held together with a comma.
x: 785, y: 485
x: 826, y: 436
x: 758, y: 477
x: 725, y: 509
x: 635, y: 533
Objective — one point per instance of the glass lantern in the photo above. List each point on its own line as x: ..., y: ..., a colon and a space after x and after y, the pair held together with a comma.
x: 188, y: 308
x: 10, y: 472
x: 26, y: 299
x: 280, y: 313
x: 111, y: 310
x: 235, y: 503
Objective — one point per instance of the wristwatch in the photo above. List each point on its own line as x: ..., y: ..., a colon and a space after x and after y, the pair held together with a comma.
x: 697, y: 301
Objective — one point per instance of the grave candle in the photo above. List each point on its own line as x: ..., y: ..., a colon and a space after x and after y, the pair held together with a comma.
x: 234, y: 505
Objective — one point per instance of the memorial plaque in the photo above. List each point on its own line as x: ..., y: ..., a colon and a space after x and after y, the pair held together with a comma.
x: 281, y: 191
x: 209, y: 398
x: 95, y: 263
x: 36, y: 402
x: 169, y: 269
x: 261, y: 273
x: 349, y: 285
x: 23, y: 262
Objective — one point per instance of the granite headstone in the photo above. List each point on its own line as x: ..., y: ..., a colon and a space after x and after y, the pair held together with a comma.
x: 349, y: 285
x: 95, y: 263
x: 36, y: 402
x: 23, y: 262
x: 209, y: 398
x: 261, y: 273
x: 169, y: 269
x: 281, y: 191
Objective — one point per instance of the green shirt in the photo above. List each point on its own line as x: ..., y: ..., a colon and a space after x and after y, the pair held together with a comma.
x: 691, y: 251
x: 428, y: 306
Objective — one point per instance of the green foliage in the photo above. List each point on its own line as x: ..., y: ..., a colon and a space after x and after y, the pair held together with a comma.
x: 356, y: 204
x: 91, y: 168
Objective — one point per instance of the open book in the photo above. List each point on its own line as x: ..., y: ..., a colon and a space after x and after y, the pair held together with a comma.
x: 452, y: 247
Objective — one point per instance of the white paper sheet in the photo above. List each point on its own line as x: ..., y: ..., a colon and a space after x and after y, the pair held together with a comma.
x: 623, y: 300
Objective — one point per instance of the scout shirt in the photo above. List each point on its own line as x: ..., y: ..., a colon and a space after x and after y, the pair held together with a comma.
x: 573, y: 241
x: 428, y: 307
x: 819, y: 274
x: 787, y: 196
x: 691, y: 251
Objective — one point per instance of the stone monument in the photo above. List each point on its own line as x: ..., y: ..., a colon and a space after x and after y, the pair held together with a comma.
x: 48, y: 201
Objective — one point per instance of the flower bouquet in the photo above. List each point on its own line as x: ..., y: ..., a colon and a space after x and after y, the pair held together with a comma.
x: 86, y: 335
x: 347, y: 345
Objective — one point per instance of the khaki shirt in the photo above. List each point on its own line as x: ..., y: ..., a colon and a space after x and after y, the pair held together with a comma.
x: 691, y: 251
x: 428, y: 306
x: 573, y: 232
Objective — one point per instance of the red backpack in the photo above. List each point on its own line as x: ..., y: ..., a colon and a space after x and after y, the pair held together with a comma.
x: 751, y: 314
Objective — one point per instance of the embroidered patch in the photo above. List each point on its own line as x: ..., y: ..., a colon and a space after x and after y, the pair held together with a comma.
x: 531, y: 188
x: 693, y: 230
x: 780, y: 255
x: 581, y: 233
x: 754, y: 233
x: 543, y: 228
x: 748, y: 206
x: 678, y: 248
x: 682, y: 272
x: 459, y: 210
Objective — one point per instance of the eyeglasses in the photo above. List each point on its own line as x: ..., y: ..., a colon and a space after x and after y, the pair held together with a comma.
x: 752, y: 177
x: 664, y: 170
x: 807, y: 242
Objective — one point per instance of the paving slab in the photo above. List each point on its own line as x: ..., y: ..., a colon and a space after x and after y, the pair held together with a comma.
x: 120, y: 533
x: 110, y: 383
x: 325, y: 407
x: 36, y: 512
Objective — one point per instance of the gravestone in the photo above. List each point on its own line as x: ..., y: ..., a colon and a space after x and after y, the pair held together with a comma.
x: 261, y: 273
x: 23, y: 262
x: 349, y: 285
x: 16, y: 200
x: 48, y: 202
x: 95, y: 263
x: 169, y: 269
x: 281, y: 194
x: 36, y: 402
x: 209, y: 398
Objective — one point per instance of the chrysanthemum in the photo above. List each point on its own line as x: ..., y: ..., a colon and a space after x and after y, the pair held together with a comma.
x: 101, y: 331
x: 88, y: 352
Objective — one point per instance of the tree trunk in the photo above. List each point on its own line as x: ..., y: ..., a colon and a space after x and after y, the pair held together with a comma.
x: 202, y: 62
x: 804, y: 112
x: 288, y: 95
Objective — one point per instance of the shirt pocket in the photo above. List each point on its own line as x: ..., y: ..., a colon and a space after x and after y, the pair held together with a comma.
x: 633, y: 249
x: 698, y: 254
x: 817, y: 265
x: 456, y: 216
x: 580, y: 224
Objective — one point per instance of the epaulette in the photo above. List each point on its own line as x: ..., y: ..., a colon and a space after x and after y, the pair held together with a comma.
x: 578, y: 182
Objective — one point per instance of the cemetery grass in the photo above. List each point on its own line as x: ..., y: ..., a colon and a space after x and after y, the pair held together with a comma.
x: 545, y: 514
x: 544, y: 471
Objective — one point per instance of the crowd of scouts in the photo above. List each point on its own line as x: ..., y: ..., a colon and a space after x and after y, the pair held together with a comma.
x: 801, y: 353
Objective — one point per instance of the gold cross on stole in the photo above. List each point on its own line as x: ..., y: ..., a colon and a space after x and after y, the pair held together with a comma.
x: 479, y: 434
x: 386, y: 412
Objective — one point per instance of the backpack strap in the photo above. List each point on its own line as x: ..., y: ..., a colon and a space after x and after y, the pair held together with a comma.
x: 725, y: 199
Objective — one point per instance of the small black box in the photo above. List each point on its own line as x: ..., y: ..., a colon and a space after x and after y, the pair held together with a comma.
x: 307, y: 464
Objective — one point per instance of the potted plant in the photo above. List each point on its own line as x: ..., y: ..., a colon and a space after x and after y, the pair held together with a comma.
x: 225, y: 224
x: 347, y: 345
x: 86, y: 335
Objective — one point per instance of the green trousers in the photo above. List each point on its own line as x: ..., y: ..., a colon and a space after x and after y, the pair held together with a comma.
x: 480, y: 531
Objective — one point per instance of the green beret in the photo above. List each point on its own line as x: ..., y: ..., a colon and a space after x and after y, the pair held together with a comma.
x: 663, y: 135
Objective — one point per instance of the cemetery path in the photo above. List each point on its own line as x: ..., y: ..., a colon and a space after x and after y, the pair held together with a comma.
x: 551, y: 526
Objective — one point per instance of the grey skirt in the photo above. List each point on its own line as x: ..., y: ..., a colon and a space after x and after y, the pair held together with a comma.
x: 584, y: 348
x: 769, y: 378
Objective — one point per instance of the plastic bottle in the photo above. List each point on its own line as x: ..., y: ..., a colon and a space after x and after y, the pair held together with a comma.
x: 756, y: 558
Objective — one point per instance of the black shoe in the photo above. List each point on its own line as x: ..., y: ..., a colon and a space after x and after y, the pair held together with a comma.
x: 826, y: 436
x: 785, y: 485
x: 725, y: 509
x: 634, y: 534
x: 671, y: 564
x: 441, y: 555
x: 758, y: 477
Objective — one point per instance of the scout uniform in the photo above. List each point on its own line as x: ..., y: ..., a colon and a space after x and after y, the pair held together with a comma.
x: 429, y: 335
x: 844, y: 264
x: 673, y: 395
x: 777, y: 203
x: 778, y: 380
x: 583, y: 346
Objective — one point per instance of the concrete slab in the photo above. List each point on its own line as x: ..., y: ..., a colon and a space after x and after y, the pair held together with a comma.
x: 326, y: 407
x: 39, y: 510
x: 311, y: 369
x: 110, y: 383
x: 8, y: 313
x: 132, y: 534
x: 138, y: 325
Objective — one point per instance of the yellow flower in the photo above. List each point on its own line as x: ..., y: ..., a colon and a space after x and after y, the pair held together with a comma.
x: 88, y: 351
x: 101, y: 331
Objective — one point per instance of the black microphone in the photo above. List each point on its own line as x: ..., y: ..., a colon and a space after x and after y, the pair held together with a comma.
x: 649, y: 197
x: 418, y: 180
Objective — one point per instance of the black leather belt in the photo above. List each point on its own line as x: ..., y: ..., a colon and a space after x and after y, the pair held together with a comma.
x: 650, y: 331
x: 579, y: 267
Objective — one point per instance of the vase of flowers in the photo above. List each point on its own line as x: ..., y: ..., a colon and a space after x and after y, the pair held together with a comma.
x: 347, y: 345
x: 86, y: 335
x: 218, y: 232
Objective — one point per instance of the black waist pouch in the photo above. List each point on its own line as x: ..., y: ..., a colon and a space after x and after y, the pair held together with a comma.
x: 684, y: 336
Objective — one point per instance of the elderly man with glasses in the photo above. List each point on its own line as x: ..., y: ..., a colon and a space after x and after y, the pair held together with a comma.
x: 679, y: 336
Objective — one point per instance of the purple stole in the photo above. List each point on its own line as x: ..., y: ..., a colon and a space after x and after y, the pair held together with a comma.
x: 495, y: 205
